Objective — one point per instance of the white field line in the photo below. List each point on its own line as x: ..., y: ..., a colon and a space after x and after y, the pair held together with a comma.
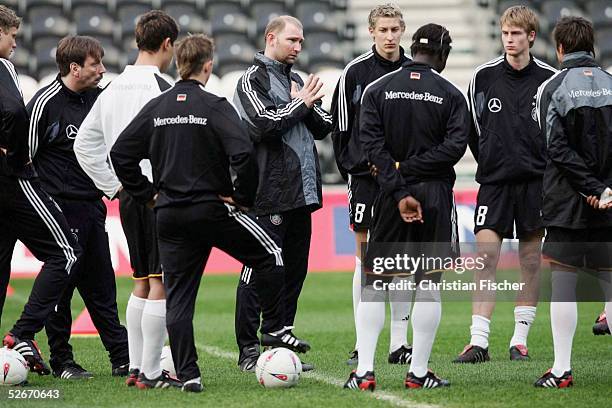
x: 317, y: 375
x: 392, y: 399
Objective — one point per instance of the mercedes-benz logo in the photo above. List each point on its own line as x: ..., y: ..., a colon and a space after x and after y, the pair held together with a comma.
x: 71, y: 132
x: 494, y: 105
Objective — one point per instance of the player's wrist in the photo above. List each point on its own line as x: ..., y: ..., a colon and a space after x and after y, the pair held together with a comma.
x: 401, y: 194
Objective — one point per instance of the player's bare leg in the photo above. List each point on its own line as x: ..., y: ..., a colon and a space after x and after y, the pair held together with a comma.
x: 530, y: 251
x: 156, y: 289
x: 483, y: 301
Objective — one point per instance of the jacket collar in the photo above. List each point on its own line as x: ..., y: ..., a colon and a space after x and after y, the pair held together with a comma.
x: 417, y: 65
x: 383, y: 61
x: 189, y: 82
x: 269, y: 63
x: 578, y: 59
x: 518, y: 73
x: 69, y: 92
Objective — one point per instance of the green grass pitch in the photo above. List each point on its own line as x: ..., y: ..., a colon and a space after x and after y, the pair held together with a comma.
x: 325, y: 318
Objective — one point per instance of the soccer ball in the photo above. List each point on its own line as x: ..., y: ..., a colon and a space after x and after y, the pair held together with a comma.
x: 13, y: 367
x: 278, y: 368
x: 166, y: 362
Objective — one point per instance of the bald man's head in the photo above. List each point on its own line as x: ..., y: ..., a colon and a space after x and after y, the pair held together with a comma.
x: 278, y: 24
x: 284, y: 37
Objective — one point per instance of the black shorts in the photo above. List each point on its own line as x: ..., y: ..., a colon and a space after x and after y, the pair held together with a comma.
x: 439, y: 226
x: 138, y: 223
x: 362, y: 191
x: 580, y: 248
x: 511, y: 210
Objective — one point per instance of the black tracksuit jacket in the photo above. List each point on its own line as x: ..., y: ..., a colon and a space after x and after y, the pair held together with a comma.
x: 505, y: 138
x: 56, y: 113
x: 414, y: 127
x: 357, y: 75
x: 192, y: 137
x: 15, y: 156
x: 284, y: 131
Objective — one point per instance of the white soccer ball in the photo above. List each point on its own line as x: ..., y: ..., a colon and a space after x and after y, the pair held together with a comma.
x: 13, y: 367
x: 278, y: 368
x: 166, y: 362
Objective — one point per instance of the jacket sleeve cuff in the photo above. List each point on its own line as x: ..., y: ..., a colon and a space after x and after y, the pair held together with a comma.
x: 402, y: 193
x: 148, y: 195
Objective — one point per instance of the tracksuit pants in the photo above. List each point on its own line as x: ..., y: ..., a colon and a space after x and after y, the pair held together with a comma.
x: 93, y: 276
x: 294, y: 229
x: 7, y: 245
x: 29, y: 214
x: 186, y: 236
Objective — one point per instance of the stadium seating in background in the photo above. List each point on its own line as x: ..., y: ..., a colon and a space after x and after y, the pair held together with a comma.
x: 236, y: 26
x: 187, y: 16
x: 262, y: 12
x: 44, y: 52
x: 113, y: 22
x: 550, y: 11
x: 324, y: 50
x: 93, y: 20
x: 233, y: 52
x: 123, y: 3
x: 329, y: 171
x: 18, y: 5
x: 603, y: 41
x: 30, y: 4
x: 48, y: 19
x: 316, y: 16
x: 24, y: 61
x: 130, y: 49
x: 113, y: 57
x: 504, y: 4
x: 78, y: 3
x: 128, y: 13
x: 600, y: 13
x: 553, y: 10
x: 228, y: 18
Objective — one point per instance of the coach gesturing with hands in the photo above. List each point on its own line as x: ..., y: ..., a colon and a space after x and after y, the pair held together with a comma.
x: 285, y: 117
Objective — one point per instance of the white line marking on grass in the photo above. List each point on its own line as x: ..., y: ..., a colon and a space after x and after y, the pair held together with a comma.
x: 392, y: 399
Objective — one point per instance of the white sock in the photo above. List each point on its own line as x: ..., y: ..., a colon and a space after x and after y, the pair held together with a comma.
x: 154, y: 333
x: 133, y: 318
x: 563, y: 318
x: 356, y: 291
x: 523, y: 319
x: 400, y: 303
x: 479, y: 331
x: 426, y: 315
x: 370, y: 322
